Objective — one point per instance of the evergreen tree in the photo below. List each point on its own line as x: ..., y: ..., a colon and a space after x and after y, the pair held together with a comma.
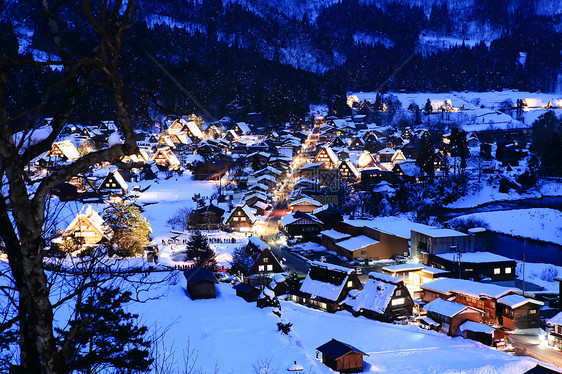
x: 198, y: 249
x: 242, y: 261
x: 131, y: 231
x: 111, y: 340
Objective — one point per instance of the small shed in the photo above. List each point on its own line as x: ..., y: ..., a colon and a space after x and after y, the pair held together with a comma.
x: 247, y: 292
x: 200, y: 283
x: 342, y: 357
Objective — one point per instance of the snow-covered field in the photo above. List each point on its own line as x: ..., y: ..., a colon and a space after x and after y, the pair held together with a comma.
x: 487, y: 193
x: 537, y: 223
x: 234, y: 336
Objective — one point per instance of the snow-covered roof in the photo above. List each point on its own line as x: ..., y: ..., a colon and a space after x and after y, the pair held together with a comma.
x: 258, y: 243
x: 515, y: 301
x: 325, y: 280
x: 403, y: 267
x: 296, y: 216
x: 356, y: 243
x: 476, y: 327
x: 312, y: 165
x: 93, y: 217
x: 119, y: 179
x: 193, y: 128
x: 385, y: 277
x: 335, y: 235
x: 477, y: 289
x: 556, y: 320
x: 306, y: 201
x: 396, y: 226
x: 438, y: 233
x: 386, y: 151
x: 429, y: 321
x: 67, y: 148
x: 445, y: 307
x: 246, y: 209
x: 243, y: 126
x: 375, y: 296
x: 473, y: 257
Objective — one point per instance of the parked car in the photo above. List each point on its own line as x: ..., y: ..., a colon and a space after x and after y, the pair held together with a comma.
x: 370, y: 262
x: 360, y: 261
x: 358, y: 270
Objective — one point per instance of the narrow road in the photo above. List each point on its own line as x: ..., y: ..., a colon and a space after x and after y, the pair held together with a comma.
x: 530, y: 345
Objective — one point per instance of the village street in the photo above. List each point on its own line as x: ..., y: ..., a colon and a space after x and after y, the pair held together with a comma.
x: 530, y: 344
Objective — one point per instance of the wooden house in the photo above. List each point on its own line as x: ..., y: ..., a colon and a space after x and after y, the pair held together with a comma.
x: 407, y: 171
x: 114, y: 183
x: 337, y: 143
x: 107, y: 127
x: 165, y: 140
x: 189, y: 128
x: 329, y: 215
x: 88, y: 228
x: 348, y: 171
x: 398, y: 157
x: 213, y: 168
x: 247, y: 292
x: 327, y: 156
x: 476, y: 265
x: 356, y: 143
x: 209, y: 217
x: 383, y: 297
x: 241, y: 218
x: 242, y: 128
x: 554, y: 104
x: 200, y: 283
x: 555, y: 332
x: 407, y: 133
x: 64, y: 150
x: 165, y: 157
x: 519, y: 313
x: 533, y: 103
x: 231, y: 135
x: 385, y: 155
x: 326, y: 286
x: 366, y: 159
x: 305, y: 205
x: 483, y: 296
x: 449, y: 315
x: 265, y: 262
x: 342, y: 357
x: 299, y: 224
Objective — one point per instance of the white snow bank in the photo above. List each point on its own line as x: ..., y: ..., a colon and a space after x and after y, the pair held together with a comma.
x: 537, y: 223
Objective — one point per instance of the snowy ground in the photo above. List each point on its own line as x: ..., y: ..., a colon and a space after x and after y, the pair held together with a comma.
x: 488, y: 194
x: 481, y: 109
x: 537, y: 223
x: 539, y: 274
x: 235, y: 336
x: 221, y: 242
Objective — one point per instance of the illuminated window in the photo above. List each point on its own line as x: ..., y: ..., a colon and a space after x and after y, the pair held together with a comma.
x: 497, y: 271
x: 269, y: 267
x: 508, y: 270
x: 349, y: 284
x: 398, y: 301
x: 261, y: 267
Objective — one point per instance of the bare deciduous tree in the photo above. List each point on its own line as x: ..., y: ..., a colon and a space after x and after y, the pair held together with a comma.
x: 23, y: 204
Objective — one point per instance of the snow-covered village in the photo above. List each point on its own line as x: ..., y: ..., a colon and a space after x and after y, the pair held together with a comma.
x: 384, y: 230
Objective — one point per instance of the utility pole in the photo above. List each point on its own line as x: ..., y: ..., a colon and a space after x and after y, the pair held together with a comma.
x: 524, y: 250
x: 453, y: 248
